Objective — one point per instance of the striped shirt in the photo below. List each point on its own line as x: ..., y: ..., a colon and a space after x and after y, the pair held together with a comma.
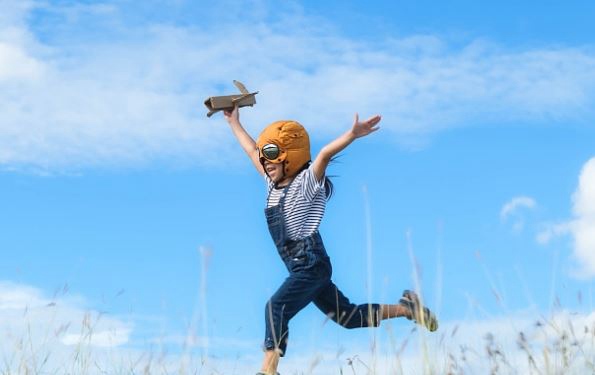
x: 304, y: 205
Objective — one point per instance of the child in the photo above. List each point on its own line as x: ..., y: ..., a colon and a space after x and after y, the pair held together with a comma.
x: 297, y: 193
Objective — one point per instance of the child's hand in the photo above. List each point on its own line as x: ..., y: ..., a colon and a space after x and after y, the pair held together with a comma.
x: 232, y: 116
x: 363, y: 128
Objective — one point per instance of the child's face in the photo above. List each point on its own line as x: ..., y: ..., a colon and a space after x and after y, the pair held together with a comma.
x: 274, y: 170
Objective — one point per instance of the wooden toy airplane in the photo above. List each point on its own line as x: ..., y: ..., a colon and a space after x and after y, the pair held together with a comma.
x: 218, y: 103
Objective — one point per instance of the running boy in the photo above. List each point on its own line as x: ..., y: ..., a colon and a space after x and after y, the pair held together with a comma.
x: 297, y: 193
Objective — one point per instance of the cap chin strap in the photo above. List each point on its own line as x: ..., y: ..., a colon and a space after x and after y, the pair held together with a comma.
x: 282, y: 176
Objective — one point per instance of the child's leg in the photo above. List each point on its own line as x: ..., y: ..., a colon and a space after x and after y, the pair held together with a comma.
x: 270, y: 362
x: 297, y: 291
x: 333, y: 302
x: 336, y: 306
x: 394, y: 311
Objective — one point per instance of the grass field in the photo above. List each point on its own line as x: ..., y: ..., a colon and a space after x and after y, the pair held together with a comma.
x: 563, y: 343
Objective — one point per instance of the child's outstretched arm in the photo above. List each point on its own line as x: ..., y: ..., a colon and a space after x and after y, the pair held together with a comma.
x: 359, y: 129
x: 245, y: 140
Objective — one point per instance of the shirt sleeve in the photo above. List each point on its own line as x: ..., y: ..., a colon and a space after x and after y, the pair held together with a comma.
x: 310, y: 185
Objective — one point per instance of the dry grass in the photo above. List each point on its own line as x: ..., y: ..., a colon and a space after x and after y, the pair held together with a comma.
x: 563, y: 344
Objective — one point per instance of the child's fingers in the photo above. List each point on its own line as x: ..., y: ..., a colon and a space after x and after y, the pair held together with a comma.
x: 368, y: 126
x: 374, y: 120
x: 231, y: 112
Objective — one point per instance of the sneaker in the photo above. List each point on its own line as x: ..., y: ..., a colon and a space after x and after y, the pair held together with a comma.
x: 418, y: 313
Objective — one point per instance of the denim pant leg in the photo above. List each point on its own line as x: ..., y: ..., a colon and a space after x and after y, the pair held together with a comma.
x: 331, y: 301
x: 297, y: 291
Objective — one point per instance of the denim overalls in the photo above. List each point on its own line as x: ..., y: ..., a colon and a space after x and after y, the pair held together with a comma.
x: 309, y: 280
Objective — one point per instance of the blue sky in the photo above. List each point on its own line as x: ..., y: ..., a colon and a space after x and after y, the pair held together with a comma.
x: 118, y: 194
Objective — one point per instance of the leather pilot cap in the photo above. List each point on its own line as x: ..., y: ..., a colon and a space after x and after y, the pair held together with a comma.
x: 293, y: 142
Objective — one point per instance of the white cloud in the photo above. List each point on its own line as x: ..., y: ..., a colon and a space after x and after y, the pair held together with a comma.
x: 584, y: 197
x: 515, y: 203
x: 60, y: 334
x: 137, y: 97
x: 551, y: 231
x: 16, y: 65
x: 461, y: 345
x: 582, y: 226
x: 33, y: 326
x: 515, y: 338
x: 512, y: 207
x: 104, y: 339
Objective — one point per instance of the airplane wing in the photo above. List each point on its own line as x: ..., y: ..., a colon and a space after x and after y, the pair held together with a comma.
x: 241, y: 87
x: 243, y: 96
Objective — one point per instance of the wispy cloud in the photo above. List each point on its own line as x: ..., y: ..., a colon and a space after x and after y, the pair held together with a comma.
x: 551, y: 231
x: 515, y: 203
x: 136, y: 96
x: 511, y: 208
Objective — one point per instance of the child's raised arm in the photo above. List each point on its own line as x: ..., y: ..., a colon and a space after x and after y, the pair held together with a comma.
x: 359, y: 129
x: 245, y: 140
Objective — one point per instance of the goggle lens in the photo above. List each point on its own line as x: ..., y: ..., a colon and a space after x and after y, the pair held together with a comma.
x: 270, y: 151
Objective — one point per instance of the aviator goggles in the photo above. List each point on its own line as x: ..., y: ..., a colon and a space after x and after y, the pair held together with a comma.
x: 270, y: 151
